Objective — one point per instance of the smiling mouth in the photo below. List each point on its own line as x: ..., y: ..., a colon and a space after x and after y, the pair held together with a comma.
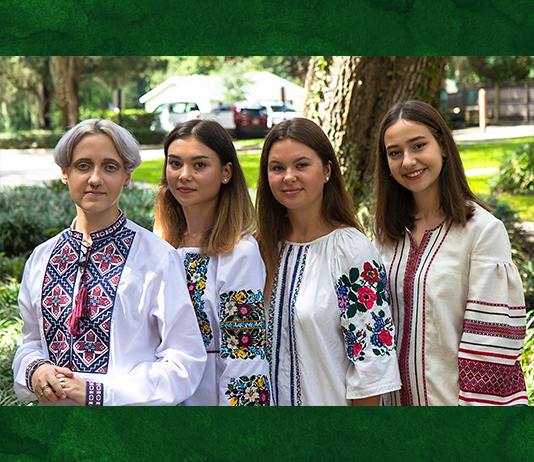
x: 95, y: 193
x: 415, y: 174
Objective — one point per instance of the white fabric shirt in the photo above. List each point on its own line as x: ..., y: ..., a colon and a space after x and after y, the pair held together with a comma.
x: 459, y: 311
x: 227, y: 293
x: 330, y: 337
x: 140, y: 344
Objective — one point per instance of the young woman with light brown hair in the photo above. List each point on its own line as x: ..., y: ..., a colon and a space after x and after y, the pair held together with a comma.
x: 329, y: 331
x: 204, y: 210
x: 456, y: 295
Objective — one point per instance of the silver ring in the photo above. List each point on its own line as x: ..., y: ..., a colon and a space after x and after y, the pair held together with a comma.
x: 41, y: 395
x: 46, y: 387
x: 63, y: 384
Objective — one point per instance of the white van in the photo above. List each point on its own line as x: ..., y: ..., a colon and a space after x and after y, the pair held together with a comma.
x: 172, y: 114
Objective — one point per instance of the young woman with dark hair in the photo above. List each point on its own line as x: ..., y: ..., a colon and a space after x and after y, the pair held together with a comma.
x: 456, y: 295
x: 329, y: 332
x: 203, y: 208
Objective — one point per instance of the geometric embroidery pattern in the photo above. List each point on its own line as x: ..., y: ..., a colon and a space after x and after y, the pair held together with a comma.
x: 490, y: 378
x: 242, y: 323
x: 196, y: 272
x: 88, y: 351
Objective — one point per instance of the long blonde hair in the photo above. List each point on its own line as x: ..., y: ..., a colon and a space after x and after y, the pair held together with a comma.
x: 235, y: 212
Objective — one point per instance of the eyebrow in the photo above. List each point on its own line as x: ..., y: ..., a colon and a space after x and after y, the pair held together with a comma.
x: 106, y: 159
x: 199, y: 157
x: 411, y: 140
x: 295, y: 161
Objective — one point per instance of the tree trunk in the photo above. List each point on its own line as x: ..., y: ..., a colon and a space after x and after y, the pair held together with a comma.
x: 356, y: 94
x: 66, y: 74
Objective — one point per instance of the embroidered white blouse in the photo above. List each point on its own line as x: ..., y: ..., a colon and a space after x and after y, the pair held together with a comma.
x: 330, y: 337
x: 227, y: 294
x: 459, y: 310
x: 139, y: 342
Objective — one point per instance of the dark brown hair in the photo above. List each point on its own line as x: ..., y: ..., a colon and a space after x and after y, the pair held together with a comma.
x: 394, y: 204
x: 235, y: 212
x: 273, y: 222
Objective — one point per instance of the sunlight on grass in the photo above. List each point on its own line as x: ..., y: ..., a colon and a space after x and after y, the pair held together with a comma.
x: 489, y: 154
x: 150, y: 170
x: 479, y: 184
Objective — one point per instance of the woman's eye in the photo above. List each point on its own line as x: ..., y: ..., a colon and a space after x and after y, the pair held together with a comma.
x: 393, y: 153
x: 419, y: 145
x: 201, y: 165
x: 111, y: 168
x: 174, y: 164
x: 302, y: 165
x: 83, y: 166
x: 276, y: 168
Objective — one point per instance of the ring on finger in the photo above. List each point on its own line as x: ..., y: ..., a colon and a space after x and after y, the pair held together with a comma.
x: 46, y: 387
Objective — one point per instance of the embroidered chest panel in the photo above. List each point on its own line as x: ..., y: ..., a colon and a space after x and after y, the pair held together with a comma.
x: 196, y: 272
x: 88, y: 351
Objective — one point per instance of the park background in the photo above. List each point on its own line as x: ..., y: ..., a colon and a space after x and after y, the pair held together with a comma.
x: 402, y: 27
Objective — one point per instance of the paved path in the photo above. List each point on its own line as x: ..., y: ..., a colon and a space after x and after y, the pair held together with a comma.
x: 34, y: 166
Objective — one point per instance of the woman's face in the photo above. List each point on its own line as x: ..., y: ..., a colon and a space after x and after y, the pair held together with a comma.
x: 297, y: 175
x: 96, y: 176
x: 195, y: 173
x: 414, y: 156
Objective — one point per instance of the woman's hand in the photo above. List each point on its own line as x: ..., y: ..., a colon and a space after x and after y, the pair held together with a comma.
x: 46, y: 385
x: 75, y: 387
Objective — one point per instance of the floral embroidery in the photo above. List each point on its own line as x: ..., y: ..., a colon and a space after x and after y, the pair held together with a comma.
x: 381, y: 334
x: 248, y: 391
x: 242, y: 325
x: 355, y: 342
x: 362, y: 292
x: 196, y: 270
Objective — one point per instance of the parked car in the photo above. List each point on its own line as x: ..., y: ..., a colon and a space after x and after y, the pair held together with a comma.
x: 278, y: 111
x: 172, y: 114
x: 241, y: 119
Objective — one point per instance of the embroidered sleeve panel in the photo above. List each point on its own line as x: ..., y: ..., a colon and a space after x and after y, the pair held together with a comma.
x: 94, y: 394
x: 242, y: 324
x: 363, y: 302
x: 249, y: 391
x: 196, y: 271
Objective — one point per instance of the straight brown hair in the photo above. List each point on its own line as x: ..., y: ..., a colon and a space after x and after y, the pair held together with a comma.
x: 394, y: 204
x: 235, y: 212
x: 273, y: 222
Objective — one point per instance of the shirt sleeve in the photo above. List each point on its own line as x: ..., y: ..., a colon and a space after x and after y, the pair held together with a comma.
x: 30, y: 353
x: 365, y: 321
x: 180, y: 358
x: 244, y: 380
x: 494, y: 325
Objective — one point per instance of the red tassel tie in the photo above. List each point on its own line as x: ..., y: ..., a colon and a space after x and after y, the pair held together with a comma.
x: 79, y: 311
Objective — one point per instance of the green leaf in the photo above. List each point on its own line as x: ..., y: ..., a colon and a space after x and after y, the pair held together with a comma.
x: 353, y: 297
x: 361, y: 307
x: 354, y: 275
x: 352, y: 327
x: 351, y: 312
x: 377, y: 352
x: 381, y: 313
x: 345, y: 280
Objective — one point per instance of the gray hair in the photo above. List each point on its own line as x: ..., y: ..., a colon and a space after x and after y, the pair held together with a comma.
x: 126, y: 145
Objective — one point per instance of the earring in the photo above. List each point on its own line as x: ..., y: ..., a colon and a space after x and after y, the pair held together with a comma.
x: 327, y: 178
x: 225, y: 180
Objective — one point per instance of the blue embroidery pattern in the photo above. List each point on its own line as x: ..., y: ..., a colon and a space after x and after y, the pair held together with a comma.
x: 89, y: 351
x: 196, y: 271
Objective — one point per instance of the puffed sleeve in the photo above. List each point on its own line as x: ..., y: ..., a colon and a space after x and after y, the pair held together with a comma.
x: 494, y: 325
x: 180, y: 357
x: 30, y: 353
x: 365, y: 318
x: 244, y: 380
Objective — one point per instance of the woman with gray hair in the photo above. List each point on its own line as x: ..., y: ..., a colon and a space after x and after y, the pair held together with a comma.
x: 107, y: 316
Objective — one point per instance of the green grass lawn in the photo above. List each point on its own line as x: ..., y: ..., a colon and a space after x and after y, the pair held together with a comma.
x: 474, y: 156
x: 150, y: 170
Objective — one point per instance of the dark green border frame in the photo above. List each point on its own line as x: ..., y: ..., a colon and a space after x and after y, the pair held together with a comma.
x: 256, y: 27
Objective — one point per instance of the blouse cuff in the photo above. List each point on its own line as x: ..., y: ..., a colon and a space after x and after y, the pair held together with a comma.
x: 32, y: 367
x: 94, y: 394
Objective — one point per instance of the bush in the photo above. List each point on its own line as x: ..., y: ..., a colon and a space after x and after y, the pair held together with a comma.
x: 32, y: 214
x: 11, y: 267
x: 516, y: 174
x: 29, y: 139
